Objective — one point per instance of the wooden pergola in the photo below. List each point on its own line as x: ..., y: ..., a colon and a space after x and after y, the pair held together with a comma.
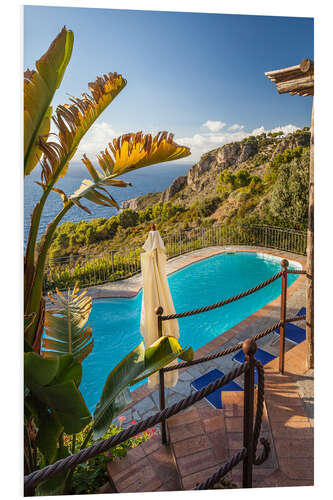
x: 299, y: 80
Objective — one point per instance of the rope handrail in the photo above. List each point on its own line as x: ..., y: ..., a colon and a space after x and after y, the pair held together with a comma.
x: 64, y: 464
x: 223, y: 302
x: 222, y: 471
x: 230, y: 350
x: 239, y: 456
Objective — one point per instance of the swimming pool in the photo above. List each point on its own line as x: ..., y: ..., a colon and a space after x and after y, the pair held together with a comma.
x: 116, y: 322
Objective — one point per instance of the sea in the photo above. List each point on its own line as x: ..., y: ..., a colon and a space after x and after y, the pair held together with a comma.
x: 145, y: 180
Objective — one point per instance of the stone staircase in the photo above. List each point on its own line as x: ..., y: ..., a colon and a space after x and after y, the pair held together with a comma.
x: 203, y: 438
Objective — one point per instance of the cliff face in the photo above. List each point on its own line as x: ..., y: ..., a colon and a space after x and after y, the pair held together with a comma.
x: 252, y: 154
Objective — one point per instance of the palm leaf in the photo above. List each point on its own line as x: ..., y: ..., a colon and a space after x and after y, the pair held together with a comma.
x: 137, y: 365
x: 39, y: 89
x: 66, y: 325
x: 73, y: 121
x: 126, y: 153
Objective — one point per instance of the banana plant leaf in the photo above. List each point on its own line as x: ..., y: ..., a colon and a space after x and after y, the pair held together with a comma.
x: 54, y: 383
x: 39, y: 89
x: 57, y: 485
x: 49, y: 432
x: 137, y: 365
x: 66, y: 326
x: 126, y: 153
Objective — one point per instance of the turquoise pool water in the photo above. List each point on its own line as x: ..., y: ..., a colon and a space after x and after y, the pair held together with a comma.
x: 115, y: 322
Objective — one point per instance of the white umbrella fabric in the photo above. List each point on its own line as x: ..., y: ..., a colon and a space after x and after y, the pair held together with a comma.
x: 156, y: 293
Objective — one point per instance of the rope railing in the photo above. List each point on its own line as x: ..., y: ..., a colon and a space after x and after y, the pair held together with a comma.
x: 281, y: 324
x: 223, y: 302
x: 250, y: 435
x: 67, y: 463
x: 222, y: 471
x: 243, y: 453
x: 232, y: 349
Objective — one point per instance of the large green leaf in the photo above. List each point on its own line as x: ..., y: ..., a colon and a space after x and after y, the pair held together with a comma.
x: 136, y: 366
x: 57, y: 485
x: 67, y: 404
x: 118, y: 380
x: 39, y: 89
x: 39, y: 371
x: 49, y: 431
x: 66, y: 325
x: 161, y: 353
x: 54, y: 383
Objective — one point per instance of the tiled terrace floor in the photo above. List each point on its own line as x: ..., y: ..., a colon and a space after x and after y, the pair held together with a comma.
x: 159, y: 463
x: 203, y: 438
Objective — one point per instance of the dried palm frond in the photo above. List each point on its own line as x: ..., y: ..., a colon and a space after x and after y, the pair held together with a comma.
x: 65, y: 325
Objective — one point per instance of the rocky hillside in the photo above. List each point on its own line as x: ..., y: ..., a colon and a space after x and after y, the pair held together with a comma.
x: 260, y: 180
x: 252, y: 154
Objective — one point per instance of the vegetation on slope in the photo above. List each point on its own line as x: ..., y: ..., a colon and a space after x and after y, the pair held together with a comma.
x: 269, y: 188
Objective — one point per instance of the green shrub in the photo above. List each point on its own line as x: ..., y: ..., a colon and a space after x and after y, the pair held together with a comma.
x: 89, y: 476
x: 289, y: 201
x: 207, y: 206
x: 128, y: 218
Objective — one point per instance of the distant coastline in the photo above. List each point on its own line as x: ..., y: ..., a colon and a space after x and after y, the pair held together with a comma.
x: 149, y: 179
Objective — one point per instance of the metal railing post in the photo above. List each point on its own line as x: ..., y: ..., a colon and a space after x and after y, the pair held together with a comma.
x: 249, y: 349
x: 159, y: 312
x: 283, y: 308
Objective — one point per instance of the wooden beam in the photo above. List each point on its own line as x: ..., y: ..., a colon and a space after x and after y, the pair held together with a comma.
x: 295, y: 79
x: 299, y: 80
x: 310, y: 258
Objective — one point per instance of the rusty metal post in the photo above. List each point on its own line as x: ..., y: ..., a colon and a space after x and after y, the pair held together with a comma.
x: 283, y: 308
x: 249, y: 349
x: 159, y: 312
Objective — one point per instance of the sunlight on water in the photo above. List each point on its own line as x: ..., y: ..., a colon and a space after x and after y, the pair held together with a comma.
x: 116, y: 322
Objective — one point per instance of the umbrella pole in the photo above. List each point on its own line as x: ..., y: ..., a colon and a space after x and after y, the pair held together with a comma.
x: 159, y: 312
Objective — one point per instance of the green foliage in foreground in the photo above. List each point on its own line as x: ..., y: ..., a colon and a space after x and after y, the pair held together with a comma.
x: 89, y: 476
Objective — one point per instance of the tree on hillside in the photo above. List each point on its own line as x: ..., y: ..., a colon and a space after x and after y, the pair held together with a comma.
x: 289, y: 201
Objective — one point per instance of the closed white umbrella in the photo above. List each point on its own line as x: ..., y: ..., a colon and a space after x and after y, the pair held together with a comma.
x: 156, y: 293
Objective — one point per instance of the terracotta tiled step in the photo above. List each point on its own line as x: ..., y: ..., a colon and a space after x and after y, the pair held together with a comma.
x: 198, y: 442
x: 149, y: 467
x: 203, y: 439
x: 291, y: 428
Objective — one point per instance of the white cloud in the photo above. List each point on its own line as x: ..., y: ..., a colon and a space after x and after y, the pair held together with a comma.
x: 236, y: 127
x: 286, y: 129
x: 201, y: 143
x: 214, y: 126
x: 258, y: 131
x: 102, y: 133
x: 95, y: 140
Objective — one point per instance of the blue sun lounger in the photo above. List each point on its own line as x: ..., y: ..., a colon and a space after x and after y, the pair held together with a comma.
x: 293, y: 333
x: 262, y: 356
x: 301, y: 312
x: 215, y: 398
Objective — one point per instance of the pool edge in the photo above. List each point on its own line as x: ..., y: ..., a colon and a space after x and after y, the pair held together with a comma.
x: 143, y: 391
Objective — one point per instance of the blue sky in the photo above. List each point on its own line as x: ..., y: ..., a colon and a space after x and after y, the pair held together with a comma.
x: 200, y: 76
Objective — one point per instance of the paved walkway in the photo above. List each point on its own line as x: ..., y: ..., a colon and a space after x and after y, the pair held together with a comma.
x: 146, y: 400
x: 162, y: 463
x: 203, y: 438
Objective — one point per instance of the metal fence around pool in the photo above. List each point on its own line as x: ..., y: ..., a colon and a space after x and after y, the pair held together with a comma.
x: 96, y: 269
